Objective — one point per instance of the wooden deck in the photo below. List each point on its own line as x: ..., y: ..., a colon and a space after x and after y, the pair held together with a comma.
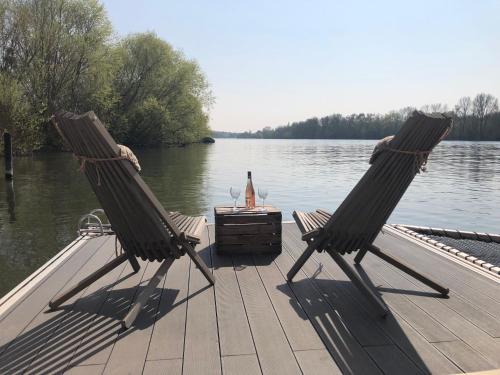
x: 253, y: 321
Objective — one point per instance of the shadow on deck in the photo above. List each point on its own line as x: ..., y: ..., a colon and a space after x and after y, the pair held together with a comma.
x: 253, y: 321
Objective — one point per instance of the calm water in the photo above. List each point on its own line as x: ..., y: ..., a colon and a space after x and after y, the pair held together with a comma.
x: 39, y: 213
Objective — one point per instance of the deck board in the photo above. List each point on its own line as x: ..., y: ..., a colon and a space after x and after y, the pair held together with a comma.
x: 77, y: 314
x: 273, y: 349
x: 16, y: 319
x: 316, y: 362
x: 131, y: 347
x: 469, y: 284
x: 253, y: 321
x: 171, y: 315
x: 241, y: 365
x: 341, y: 294
x: 35, y: 342
x: 329, y: 323
x: 392, y: 360
x: 297, y: 327
x: 97, y: 343
x: 457, y: 324
x: 163, y: 367
x: 464, y: 356
x: 201, y: 348
x: 234, y: 330
x: 470, y: 302
x: 411, y: 341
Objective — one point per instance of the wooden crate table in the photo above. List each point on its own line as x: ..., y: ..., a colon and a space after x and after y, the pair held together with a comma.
x: 247, y: 231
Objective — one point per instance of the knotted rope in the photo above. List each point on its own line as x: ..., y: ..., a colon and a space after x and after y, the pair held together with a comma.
x: 84, y: 159
x: 420, y: 157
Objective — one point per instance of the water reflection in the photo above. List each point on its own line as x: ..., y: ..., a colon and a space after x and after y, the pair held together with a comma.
x: 177, y: 176
x: 10, y: 196
x: 40, y: 210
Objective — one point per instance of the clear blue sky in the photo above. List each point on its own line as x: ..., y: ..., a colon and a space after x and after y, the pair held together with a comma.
x: 274, y: 62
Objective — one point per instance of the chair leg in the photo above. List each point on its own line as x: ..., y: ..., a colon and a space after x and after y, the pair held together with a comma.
x: 360, y: 255
x: 407, y: 269
x: 200, y: 264
x: 360, y: 284
x: 145, y: 294
x: 301, y: 261
x: 64, y: 296
x: 134, y: 263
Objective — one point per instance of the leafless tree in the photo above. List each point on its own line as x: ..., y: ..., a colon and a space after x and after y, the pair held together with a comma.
x: 406, y: 112
x: 463, y: 109
x: 436, y: 107
x: 482, y: 107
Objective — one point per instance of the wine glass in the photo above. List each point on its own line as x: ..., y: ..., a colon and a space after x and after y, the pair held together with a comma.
x: 235, y: 194
x: 262, y: 195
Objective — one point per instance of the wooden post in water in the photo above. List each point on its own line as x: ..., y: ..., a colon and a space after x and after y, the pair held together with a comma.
x: 11, y: 200
x: 7, y: 144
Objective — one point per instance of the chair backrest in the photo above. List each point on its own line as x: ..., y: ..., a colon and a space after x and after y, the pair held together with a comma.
x: 358, y: 220
x: 140, y: 222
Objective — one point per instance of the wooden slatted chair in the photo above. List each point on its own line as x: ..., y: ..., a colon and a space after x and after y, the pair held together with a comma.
x: 358, y: 220
x: 141, y: 224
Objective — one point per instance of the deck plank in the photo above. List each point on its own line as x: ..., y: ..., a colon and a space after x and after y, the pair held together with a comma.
x: 316, y: 362
x: 171, y: 317
x: 253, y: 321
x: 131, y: 346
x: 468, y: 283
x: 234, y: 329
x: 96, y: 344
x: 420, y: 351
x: 298, y: 329
x: 241, y: 365
x: 273, y: 350
x: 475, y: 315
x: 423, y: 354
x: 426, y: 325
x: 464, y: 356
x: 338, y: 290
x: 79, y: 317
x: 163, y: 367
x: 348, y: 354
x: 453, y: 321
x: 85, y: 370
x: 477, y: 307
x: 201, y: 353
x: 392, y: 361
x: 466, y: 275
x: 36, y: 336
x: 14, y: 322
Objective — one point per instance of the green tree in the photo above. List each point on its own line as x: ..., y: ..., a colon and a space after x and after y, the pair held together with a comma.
x: 156, y: 85
x: 53, y: 49
x: 58, y: 54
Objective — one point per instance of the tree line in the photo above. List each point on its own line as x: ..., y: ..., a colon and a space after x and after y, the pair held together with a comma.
x: 62, y: 54
x: 476, y: 119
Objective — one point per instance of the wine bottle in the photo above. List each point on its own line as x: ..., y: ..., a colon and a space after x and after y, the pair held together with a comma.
x: 249, y: 192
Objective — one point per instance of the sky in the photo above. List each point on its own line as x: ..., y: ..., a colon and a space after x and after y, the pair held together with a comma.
x: 274, y: 62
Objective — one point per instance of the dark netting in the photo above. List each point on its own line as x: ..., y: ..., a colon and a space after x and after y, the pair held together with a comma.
x: 487, y: 251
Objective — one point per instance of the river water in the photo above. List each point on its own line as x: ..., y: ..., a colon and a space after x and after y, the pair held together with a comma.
x: 40, y: 210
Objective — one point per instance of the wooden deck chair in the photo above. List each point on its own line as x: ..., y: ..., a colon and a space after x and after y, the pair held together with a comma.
x: 141, y: 224
x: 358, y: 220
